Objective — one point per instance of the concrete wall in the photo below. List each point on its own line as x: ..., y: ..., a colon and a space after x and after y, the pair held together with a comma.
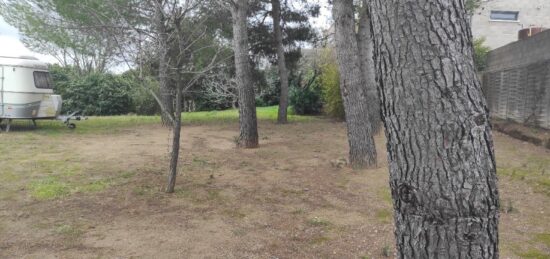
x: 517, y: 81
x: 532, y: 13
x: 520, y: 53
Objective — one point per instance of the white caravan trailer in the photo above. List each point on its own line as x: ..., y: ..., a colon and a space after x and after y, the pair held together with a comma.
x: 26, y: 91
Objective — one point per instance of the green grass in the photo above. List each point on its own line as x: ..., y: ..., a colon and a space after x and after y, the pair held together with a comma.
x: 535, y: 172
x: 69, y: 231
x: 113, y: 124
x: 107, y: 124
x: 49, y: 188
x: 533, y: 254
x: 263, y: 113
x: 385, y: 194
x: 543, y: 238
x: 319, y: 222
x: 386, y: 251
x: 384, y: 215
x: 95, y: 186
x: 59, y: 186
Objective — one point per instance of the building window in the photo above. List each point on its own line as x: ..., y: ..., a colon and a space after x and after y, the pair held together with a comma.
x: 42, y: 80
x: 504, y: 16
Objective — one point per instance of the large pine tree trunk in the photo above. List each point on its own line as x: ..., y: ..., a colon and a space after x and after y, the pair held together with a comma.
x: 362, y: 151
x: 283, y: 72
x: 366, y: 59
x: 248, y: 137
x: 442, y: 165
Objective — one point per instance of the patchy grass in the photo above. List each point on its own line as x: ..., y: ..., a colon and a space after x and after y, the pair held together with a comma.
x: 234, y: 213
x: 298, y: 212
x: 145, y: 190
x: 115, y: 124
x: 385, y: 194
x: 61, y: 184
x: 109, y: 190
x: 69, y: 231
x: 507, y: 207
x: 533, y: 253
x: 95, y: 124
x: 386, y: 251
x: 384, y: 215
x: 320, y: 239
x: 543, y: 238
x: 53, y: 188
x: 319, y: 222
x: 263, y: 113
x: 535, y: 172
x: 95, y: 186
x: 48, y: 188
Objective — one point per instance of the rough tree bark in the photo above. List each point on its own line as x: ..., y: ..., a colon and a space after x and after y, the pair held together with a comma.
x: 281, y: 63
x: 248, y: 137
x: 162, y: 45
x: 176, y: 133
x: 178, y: 109
x: 442, y: 165
x: 366, y: 59
x: 362, y: 149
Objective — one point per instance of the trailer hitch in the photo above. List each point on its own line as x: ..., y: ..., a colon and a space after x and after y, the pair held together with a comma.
x: 66, y: 119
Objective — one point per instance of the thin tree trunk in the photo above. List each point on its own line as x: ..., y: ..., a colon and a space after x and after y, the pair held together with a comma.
x: 281, y: 63
x: 176, y: 133
x: 362, y: 149
x: 366, y: 59
x: 166, y: 95
x: 178, y: 106
x: 442, y: 165
x: 248, y: 137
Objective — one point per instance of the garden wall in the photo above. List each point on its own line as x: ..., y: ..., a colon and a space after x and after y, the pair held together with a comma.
x: 517, y: 81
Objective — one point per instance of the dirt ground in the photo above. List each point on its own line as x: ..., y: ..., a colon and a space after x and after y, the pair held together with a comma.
x: 288, y: 199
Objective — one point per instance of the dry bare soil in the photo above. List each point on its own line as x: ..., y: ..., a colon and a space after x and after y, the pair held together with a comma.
x: 99, y: 195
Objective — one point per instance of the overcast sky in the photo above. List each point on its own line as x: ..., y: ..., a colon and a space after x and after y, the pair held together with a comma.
x: 10, y: 45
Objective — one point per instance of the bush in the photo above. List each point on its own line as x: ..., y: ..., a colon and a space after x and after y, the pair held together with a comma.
x: 330, y: 85
x: 142, y: 101
x: 306, y: 101
x: 269, y: 88
x: 92, y: 94
x: 480, y: 54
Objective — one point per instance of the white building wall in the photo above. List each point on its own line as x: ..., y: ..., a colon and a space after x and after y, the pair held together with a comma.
x: 532, y: 13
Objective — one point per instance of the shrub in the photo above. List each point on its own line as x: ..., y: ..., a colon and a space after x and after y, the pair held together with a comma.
x: 305, y: 100
x: 143, y: 102
x: 92, y: 94
x: 330, y: 84
x: 269, y: 88
x: 480, y: 54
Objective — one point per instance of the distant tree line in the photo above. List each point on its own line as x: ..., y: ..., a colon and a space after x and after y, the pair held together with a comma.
x: 314, y: 90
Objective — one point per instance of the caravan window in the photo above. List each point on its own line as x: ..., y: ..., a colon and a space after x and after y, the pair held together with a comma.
x: 42, y: 80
